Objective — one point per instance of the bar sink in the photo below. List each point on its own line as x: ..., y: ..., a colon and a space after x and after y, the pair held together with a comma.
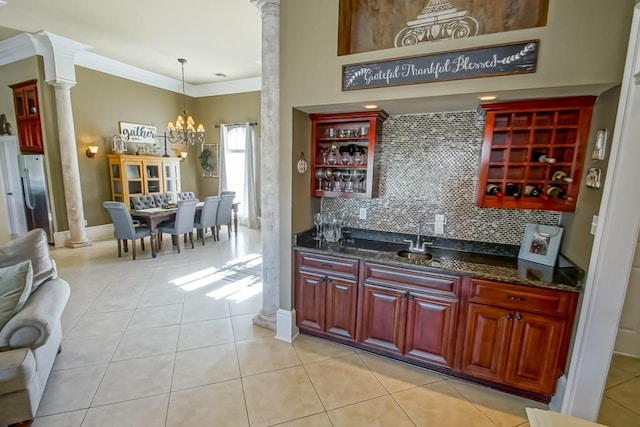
x: 415, y: 255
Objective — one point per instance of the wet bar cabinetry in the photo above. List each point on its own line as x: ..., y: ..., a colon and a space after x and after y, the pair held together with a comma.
x: 141, y: 175
x: 345, y: 151
x: 533, y: 153
x: 511, y: 336
x: 27, y: 107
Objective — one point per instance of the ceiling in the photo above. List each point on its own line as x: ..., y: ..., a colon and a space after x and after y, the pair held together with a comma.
x: 215, y: 36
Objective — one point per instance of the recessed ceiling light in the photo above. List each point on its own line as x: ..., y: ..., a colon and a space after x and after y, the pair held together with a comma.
x: 487, y: 98
x: 220, y: 75
x: 370, y: 106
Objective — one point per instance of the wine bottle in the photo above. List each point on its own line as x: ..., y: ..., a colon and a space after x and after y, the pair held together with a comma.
x: 542, y: 157
x: 512, y: 190
x: 494, y: 190
x: 533, y: 191
x: 557, y: 193
x: 561, y: 176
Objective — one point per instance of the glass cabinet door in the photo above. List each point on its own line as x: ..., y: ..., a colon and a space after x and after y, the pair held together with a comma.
x: 152, y: 177
x: 172, y: 180
x: 134, y: 177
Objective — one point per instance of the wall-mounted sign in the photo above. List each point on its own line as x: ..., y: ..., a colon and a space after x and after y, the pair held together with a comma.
x: 485, y: 61
x: 137, y: 133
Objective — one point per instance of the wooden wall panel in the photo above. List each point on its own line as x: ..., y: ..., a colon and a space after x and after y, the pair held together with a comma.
x: 367, y: 25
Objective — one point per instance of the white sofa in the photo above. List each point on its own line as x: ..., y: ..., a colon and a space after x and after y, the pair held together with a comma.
x: 30, y: 340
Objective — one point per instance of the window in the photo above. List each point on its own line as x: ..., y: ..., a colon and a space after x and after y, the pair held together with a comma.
x: 235, y: 151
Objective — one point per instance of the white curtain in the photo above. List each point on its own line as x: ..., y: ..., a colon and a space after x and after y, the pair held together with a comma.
x: 222, y: 168
x: 250, y: 197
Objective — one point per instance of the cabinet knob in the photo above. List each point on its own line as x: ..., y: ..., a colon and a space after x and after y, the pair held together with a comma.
x: 511, y: 297
x: 509, y: 316
x: 406, y: 294
x: 519, y: 316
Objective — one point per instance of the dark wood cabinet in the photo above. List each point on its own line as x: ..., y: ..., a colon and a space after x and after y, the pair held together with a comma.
x: 533, y: 153
x: 517, y: 336
x: 345, y: 150
x: 510, y: 336
x: 27, y: 108
x: 326, y: 295
x: 409, y: 312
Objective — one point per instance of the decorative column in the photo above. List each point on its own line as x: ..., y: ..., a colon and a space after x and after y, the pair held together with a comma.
x: 69, y: 160
x: 270, y: 138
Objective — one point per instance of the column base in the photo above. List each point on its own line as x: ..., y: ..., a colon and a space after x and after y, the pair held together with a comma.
x: 80, y: 244
x: 265, y: 320
x: 286, y: 329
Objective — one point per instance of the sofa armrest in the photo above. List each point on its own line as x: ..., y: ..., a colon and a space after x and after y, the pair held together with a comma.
x: 32, y: 326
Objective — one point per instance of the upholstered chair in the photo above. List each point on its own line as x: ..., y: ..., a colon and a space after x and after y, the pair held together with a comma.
x: 187, y: 195
x: 161, y: 200
x: 124, y: 228
x: 224, y: 214
x: 206, y: 217
x: 142, y: 202
x: 183, y: 223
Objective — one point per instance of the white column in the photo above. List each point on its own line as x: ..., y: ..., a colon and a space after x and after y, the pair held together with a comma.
x: 69, y: 161
x: 270, y: 154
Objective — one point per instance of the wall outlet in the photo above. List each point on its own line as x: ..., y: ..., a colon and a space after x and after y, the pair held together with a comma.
x: 438, y: 225
x: 363, y: 213
x: 594, y: 225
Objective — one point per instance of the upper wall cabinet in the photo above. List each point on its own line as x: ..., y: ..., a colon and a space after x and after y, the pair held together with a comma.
x: 533, y: 153
x: 345, y: 151
x: 25, y: 100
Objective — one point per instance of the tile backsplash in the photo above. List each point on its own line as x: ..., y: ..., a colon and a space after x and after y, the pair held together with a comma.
x: 429, y: 165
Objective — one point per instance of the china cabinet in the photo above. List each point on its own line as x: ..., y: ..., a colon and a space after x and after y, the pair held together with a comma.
x: 140, y: 175
x: 27, y: 108
x: 533, y: 153
x: 345, y: 151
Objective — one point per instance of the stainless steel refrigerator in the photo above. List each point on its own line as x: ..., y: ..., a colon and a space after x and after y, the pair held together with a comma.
x: 36, y: 196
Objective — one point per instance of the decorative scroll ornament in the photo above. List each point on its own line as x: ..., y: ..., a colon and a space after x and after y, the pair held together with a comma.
x: 439, y: 20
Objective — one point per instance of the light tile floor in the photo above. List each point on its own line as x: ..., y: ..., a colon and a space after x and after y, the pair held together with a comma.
x: 620, y: 405
x: 169, y: 342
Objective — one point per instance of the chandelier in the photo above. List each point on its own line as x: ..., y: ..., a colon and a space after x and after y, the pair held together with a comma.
x: 184, y: 131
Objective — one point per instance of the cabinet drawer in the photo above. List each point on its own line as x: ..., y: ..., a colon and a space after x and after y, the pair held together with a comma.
x: 534, y: 300
x: 326, y: 264
x: 386, y: 275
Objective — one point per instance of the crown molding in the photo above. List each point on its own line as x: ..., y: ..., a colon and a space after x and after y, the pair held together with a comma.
x: 51, y: 46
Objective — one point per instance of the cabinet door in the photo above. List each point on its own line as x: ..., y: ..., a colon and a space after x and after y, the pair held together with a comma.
x: 153, y: 177
x: 383, y: 317
x: 133, y: 177
x: 431, y: 329
x: 30, y: 136
x: 19, y: 104
x: 533, y: 352
x: 310, y: 301
x: 486, y: 341
x: 172, y: 180
x: 340, y: 314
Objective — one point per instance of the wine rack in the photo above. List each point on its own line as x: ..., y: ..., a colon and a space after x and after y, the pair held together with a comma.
x: 345, y: 149
x: 534, y: 146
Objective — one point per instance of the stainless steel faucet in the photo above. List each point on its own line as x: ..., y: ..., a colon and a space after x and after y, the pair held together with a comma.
x: 416, y: 247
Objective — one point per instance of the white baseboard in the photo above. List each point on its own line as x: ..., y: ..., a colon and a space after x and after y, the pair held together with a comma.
x: 558, y: 397
x: 286, y: 329
x: 97, y: 232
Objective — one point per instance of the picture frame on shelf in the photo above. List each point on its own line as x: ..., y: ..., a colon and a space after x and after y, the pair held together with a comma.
x: 541, y: 243
x: 209, y: 160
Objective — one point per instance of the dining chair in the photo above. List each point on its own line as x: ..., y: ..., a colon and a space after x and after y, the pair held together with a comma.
x: 224, y: 214
x: 142, y: 202
x: 225, y: 192
x: 183, y: 223
x: 124, y: 228
x: 206, y: 217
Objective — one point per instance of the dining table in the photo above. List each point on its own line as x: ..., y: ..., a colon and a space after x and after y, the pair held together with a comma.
x: 154, y: 216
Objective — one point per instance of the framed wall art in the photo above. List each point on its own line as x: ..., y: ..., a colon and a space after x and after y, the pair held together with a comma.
x: 541, y: 243
x: 208, y: 160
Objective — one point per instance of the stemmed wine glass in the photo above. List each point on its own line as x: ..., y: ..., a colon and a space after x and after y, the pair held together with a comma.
x: 358, y: 158
x: 319, y: 175
x: 317, y: 220
x: 357, y: 175
x: 347, y: 176
x: 324, y: 152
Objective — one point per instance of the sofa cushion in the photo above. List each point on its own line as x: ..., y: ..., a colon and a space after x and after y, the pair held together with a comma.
x: 15, y: 288
x: 32, y: 246
x: 17, y: 368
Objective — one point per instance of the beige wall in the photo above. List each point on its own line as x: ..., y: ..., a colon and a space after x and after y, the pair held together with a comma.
x: 577, y: 240
x: 213, y: 110
x: 99, y: 102
x: 571, y: 54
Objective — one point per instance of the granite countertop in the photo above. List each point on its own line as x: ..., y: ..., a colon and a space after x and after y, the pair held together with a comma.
x: 468, y: 258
